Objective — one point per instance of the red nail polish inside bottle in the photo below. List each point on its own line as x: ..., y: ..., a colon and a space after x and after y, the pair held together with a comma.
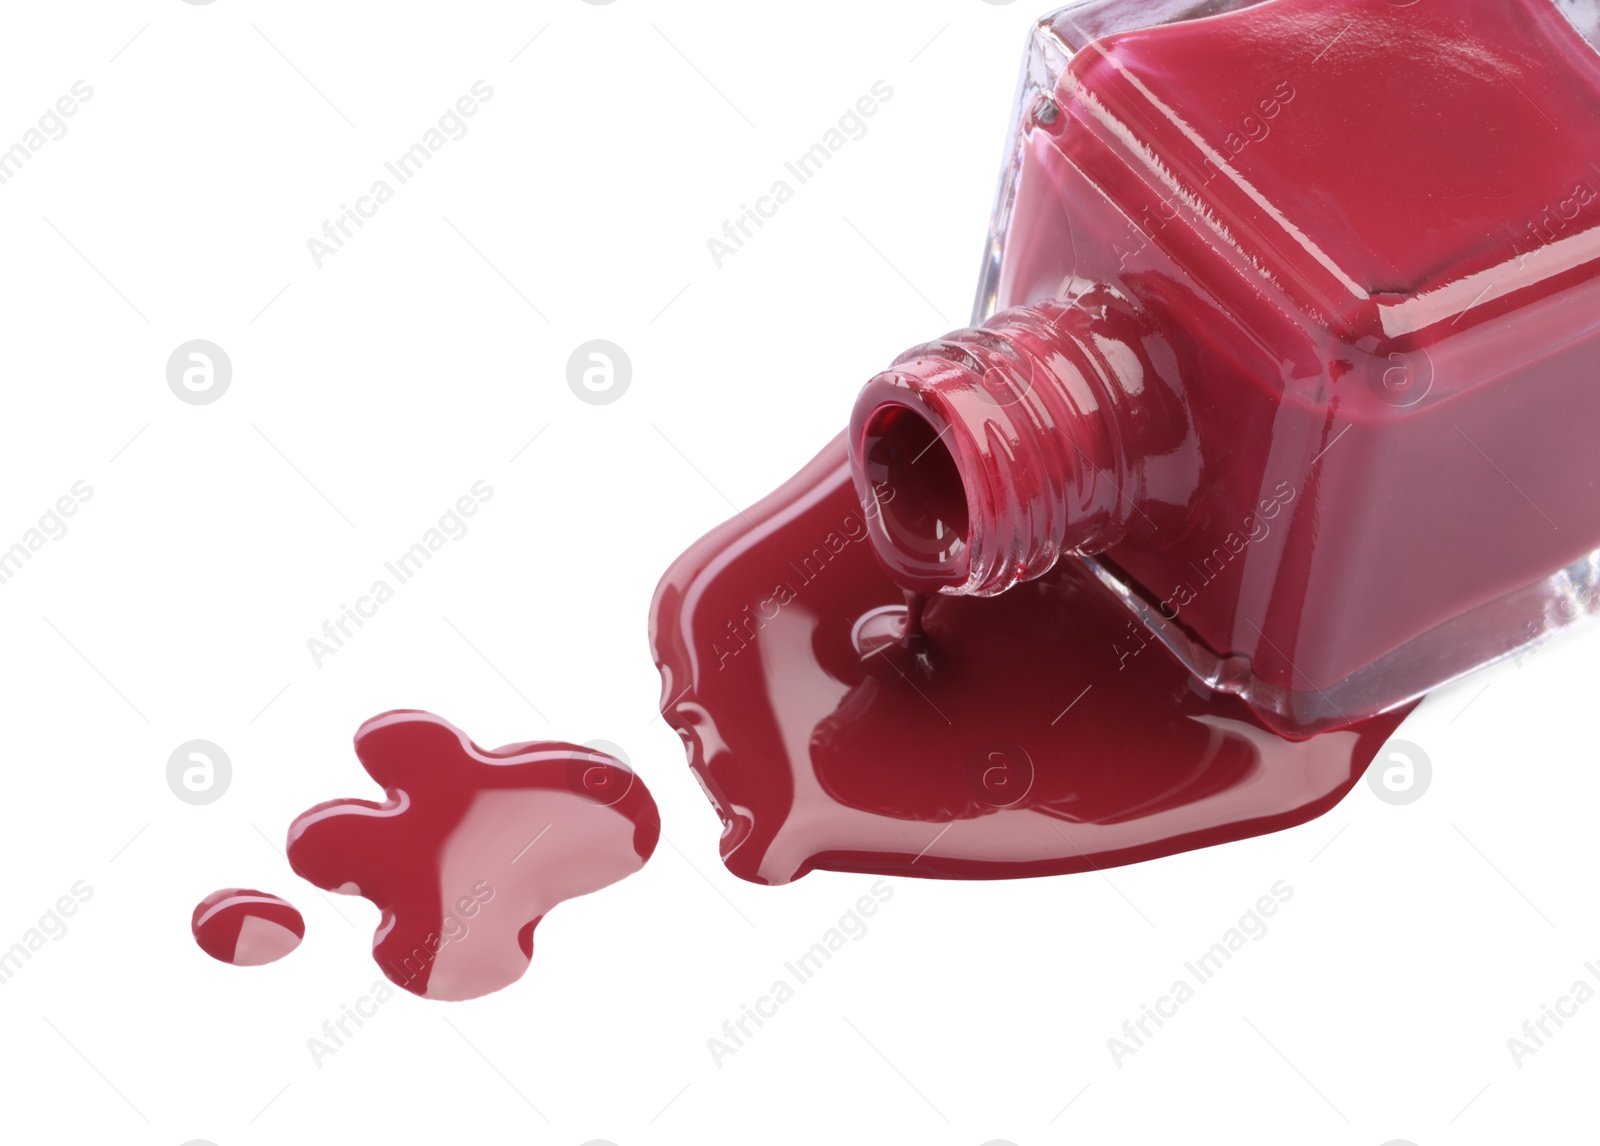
x: 1290, y: 328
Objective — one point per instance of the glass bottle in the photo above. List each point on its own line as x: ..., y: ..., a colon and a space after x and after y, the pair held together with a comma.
x: 1289, y: 326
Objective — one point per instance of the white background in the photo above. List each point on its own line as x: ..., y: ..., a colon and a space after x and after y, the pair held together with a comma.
x: 368, y: 395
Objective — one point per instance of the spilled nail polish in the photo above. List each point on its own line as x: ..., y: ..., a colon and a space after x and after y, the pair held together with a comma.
x: 245, y: 927
x: 471, y: 847
x: 1033, y: 733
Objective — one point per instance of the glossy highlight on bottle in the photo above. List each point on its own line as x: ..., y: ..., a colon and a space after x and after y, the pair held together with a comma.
x: 471, y: 847
x: 1034, y: 733
x: 246, y: 928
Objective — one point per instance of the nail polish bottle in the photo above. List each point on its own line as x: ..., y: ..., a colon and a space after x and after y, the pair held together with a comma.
x: 1289, y: 327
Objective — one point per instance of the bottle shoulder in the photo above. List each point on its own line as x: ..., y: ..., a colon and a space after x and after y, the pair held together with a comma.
x: 1385, y: 169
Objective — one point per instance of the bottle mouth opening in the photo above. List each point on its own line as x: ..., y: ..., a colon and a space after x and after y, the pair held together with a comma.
x: 919, y: 517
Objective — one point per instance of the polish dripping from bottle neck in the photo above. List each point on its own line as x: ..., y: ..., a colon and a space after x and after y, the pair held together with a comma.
x: 986, y: 455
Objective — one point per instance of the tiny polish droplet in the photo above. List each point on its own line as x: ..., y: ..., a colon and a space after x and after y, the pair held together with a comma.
x: 247, y: 928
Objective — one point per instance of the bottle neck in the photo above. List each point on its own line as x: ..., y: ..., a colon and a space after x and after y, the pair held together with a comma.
x: 986, y: 455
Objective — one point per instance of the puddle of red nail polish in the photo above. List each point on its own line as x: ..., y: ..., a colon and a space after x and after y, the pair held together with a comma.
x: 472, y: 847
x: 246, y: 928
x: 1033, y: 733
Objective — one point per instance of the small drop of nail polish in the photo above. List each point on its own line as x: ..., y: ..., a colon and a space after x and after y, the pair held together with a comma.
x: 247, y: 928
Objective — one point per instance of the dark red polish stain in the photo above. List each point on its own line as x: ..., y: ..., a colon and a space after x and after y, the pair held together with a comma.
x: 471, y: 848
x: 246, y: 928
x: 1034, y: 733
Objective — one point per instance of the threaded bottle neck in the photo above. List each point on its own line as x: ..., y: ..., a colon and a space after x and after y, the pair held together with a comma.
x: 984, y: 456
